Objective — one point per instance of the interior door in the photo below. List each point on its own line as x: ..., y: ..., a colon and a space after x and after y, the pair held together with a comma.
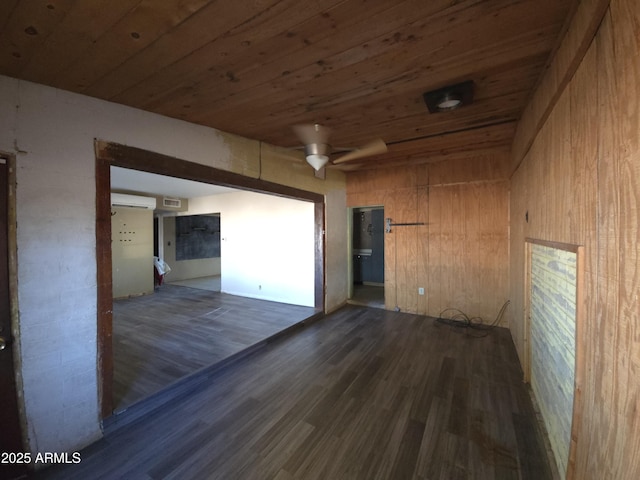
x: 10, y: 436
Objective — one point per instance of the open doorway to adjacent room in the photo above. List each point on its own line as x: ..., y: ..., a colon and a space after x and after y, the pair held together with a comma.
x: 367, y: 256
x: 156, y: 334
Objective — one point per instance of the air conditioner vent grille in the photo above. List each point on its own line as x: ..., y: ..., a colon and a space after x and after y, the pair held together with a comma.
x: 171, y: 202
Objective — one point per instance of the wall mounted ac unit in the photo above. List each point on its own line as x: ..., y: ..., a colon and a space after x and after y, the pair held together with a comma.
x: 135, y: 201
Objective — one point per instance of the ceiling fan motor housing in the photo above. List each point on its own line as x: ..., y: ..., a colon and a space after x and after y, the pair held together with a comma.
x: 317, y: 149
x: 317, y: 154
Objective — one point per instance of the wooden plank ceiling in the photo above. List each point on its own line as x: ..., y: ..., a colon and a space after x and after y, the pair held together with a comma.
x: 257, y: 67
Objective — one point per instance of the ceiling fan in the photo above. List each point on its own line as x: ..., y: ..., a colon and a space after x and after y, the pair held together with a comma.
x: 317, y: 149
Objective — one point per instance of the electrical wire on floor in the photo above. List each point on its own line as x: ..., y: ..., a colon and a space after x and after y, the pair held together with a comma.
x: 472, y: 326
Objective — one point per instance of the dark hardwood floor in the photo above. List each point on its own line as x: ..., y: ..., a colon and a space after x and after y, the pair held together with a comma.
x: 161, y: 338
x: 360, y: 394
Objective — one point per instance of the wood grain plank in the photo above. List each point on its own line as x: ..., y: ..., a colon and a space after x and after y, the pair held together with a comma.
x: 466, y: 145
x: 25, y: 29
x: 405, y: 251
x: 176, y: 331
x: 608, y: 225
x: 104, y: 279
x: 142, y: 25
x: 276, y: 46
x: 422, y: 247
x: 6, y: 10
x: 460, y: 257
x: 584, y: 25
x: 190, y: 48
x: 530, y: 454
x: 247, y: 420
x: 378, y: 83
x: 255, y: 35
x: 442, y: 46
x: 81, y: 27
x: 405, y: 461
x: 604, y: 171
x: 255, y: 67
x: 626, y: 21
x: 618, y: 231
x: 497, y: 93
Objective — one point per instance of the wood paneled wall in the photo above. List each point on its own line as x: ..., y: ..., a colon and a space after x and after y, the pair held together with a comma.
x: 460, y: 256
x: 579, y: 183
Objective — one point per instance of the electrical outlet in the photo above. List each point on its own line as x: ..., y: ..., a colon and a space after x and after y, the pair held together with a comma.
x: 420, y: 291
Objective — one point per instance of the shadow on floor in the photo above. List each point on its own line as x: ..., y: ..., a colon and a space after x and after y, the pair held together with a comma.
x: 211, y: 283
x: 367, y: 296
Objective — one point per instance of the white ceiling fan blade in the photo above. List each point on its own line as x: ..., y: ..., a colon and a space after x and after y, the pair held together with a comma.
x: 375, y: 147
x: 312, y: 133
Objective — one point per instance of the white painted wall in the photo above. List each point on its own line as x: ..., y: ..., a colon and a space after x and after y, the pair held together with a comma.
x: 267, y: 245
x: 52, y: 133
x: 337, y: 249
x: 131, y: 251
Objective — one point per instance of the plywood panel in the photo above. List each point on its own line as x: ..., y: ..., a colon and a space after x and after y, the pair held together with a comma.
x: 373, y: 182
x: 618, y: 343
x: 579, y: 182
x: 477, y: 168
x: 468, y: 248
x: 440, y: 250
x: 626, y: 23
x: 401, y: 250
x: 455, y: 243
x: 604, y: 382
x: 583, y: 227
x: 460, y: 255
x: 568, y: 56
x: 422, y: 239
x: 518, y: 226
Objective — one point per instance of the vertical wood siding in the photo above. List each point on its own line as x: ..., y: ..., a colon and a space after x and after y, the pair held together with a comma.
x: 460, y: 254
x: 580, y: 184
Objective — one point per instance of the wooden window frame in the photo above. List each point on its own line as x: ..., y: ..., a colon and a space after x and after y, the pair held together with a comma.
x: 579, y: 337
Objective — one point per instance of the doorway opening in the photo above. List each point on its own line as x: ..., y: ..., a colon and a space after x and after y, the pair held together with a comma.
x: 109, y: 155
x: 367, y: 256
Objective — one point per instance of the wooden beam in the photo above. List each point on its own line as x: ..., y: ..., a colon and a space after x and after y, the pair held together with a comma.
x: 140, y: 159
x: 104, y: 287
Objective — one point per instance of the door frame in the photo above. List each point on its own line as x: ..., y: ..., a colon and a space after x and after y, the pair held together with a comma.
x: 17, y: 431
x: 109, y: 154
x: 350, y: 267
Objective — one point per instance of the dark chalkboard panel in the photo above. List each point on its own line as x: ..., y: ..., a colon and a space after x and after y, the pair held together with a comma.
x: 197, y: 236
